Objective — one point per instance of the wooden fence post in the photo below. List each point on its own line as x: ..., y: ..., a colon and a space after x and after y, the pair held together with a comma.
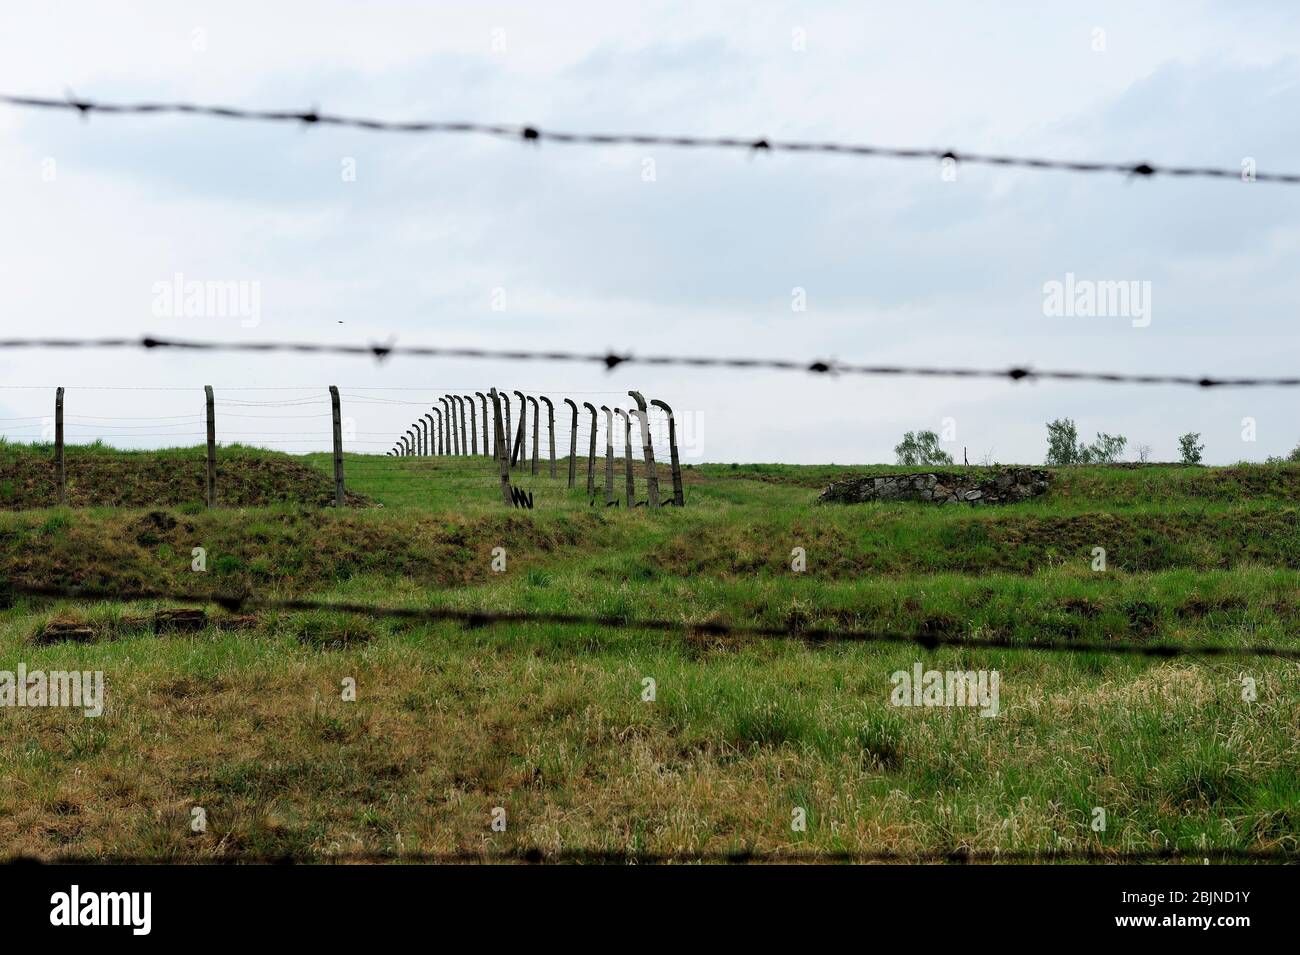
x: 627, y: 455
x: 502, y: 463
x: 519, y: 437
x: 340, y: 498
x: 573, y: 440
x: 212, y: 445
x: 609, y: 455
x: 487, y: 445
x: 60, y: 472
x: 591, y: 454
x: 678, y: 497
x: 550, y: 430
x: 647, y: 449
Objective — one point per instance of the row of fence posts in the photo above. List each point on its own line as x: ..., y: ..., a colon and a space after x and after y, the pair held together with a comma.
x: 444, y: 430
x: 60, y: 467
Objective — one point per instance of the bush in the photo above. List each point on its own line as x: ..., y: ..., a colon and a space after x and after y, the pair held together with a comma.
x: 921, y: 448
x: 1189, y: 449
x: 1063, y: 445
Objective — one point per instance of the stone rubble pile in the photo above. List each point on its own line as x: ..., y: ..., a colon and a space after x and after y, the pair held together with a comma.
x: 941, y: 487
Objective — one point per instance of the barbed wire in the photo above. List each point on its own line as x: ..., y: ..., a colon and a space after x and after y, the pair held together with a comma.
x: 482, y: 618
x: 748, y: 144
x: 612, y: 360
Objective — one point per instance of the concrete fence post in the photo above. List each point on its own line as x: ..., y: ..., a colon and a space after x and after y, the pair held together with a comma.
x: 464, y: 430
x: 487, y: 445
x: 550, y: 431
x: 340, y: 497
x: 647, y: 449
x: 505, y: 400
x: 211, y: 408
x: 431, y: 433
x: 627, y: 456
x: 678, y: 497
x: 519, y: 436
x: 609, y: 455
x: 573, y: 440
x: 473, y: 425
x: 446, y: 424
x: 537, y: 418
x: 437, y: 429
x: 502, y: 463
x: 591, y: 453
x: 60, y: 470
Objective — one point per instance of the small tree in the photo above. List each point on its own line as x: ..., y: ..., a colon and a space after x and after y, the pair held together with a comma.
x: 1190, y: 450
x: 921, y: 447
x: 1062, y: 442
x: 1143, y: 452
x: 1106, y: 449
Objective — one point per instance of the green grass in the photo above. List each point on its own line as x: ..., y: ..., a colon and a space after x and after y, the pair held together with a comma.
x: 549, y: 721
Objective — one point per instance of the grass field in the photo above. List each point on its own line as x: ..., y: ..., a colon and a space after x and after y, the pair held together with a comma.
x: 549, y: 722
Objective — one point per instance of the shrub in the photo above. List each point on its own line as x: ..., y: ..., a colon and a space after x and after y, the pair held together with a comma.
x: 1189, y: 449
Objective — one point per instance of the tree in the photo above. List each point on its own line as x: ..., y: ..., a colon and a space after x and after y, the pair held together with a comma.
x: 1143, y: 453
x: 1190, y: 450
x: 1062, y: 442
x: 1106, y: 449
x: 921, y: 447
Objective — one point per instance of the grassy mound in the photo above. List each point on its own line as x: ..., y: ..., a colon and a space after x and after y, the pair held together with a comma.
x: 103, y: 477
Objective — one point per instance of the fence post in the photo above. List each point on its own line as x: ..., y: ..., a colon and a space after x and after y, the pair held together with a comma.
x: 591, y: 453
x: 609, y: 455
x: 60, y: 472
x: 487, y: 445
x: 519, y: 437
x: 212, y: 445
x: 429, y: 430
x: 550, y: 430
x: 627, y: 455
x: 573, y: 440
x: 464, y: 431
x: 537, y: 417
x: 445, y: 437
x: 502, y: 463
x: 473, y: 425
x: 340, y: 499
x: 455, y: 424
x: 506, y: 398
x: 678, y: 497
x: 647, y: 448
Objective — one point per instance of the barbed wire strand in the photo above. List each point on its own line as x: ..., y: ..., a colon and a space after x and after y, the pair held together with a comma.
x: 748, y: 144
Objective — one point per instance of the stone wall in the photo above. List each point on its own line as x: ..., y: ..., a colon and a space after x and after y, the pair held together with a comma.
x: 1004, y: 486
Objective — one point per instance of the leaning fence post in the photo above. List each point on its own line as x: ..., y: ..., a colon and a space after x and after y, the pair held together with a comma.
x: 573, y: 440
x: 609, y: 454
x: 212, y: 445
x: 647, y: 448
x: 627, y: 455
x: 340, y: 499
x: 550, y: 430
x: 502, y: 463
x: 519, y: 437
x: 591, y: 453
x: 487, y: 445
x: 60, y: 474
x: 678, y: 498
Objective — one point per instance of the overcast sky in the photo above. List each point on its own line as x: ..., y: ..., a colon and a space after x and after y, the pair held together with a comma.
x: 434, y: 234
